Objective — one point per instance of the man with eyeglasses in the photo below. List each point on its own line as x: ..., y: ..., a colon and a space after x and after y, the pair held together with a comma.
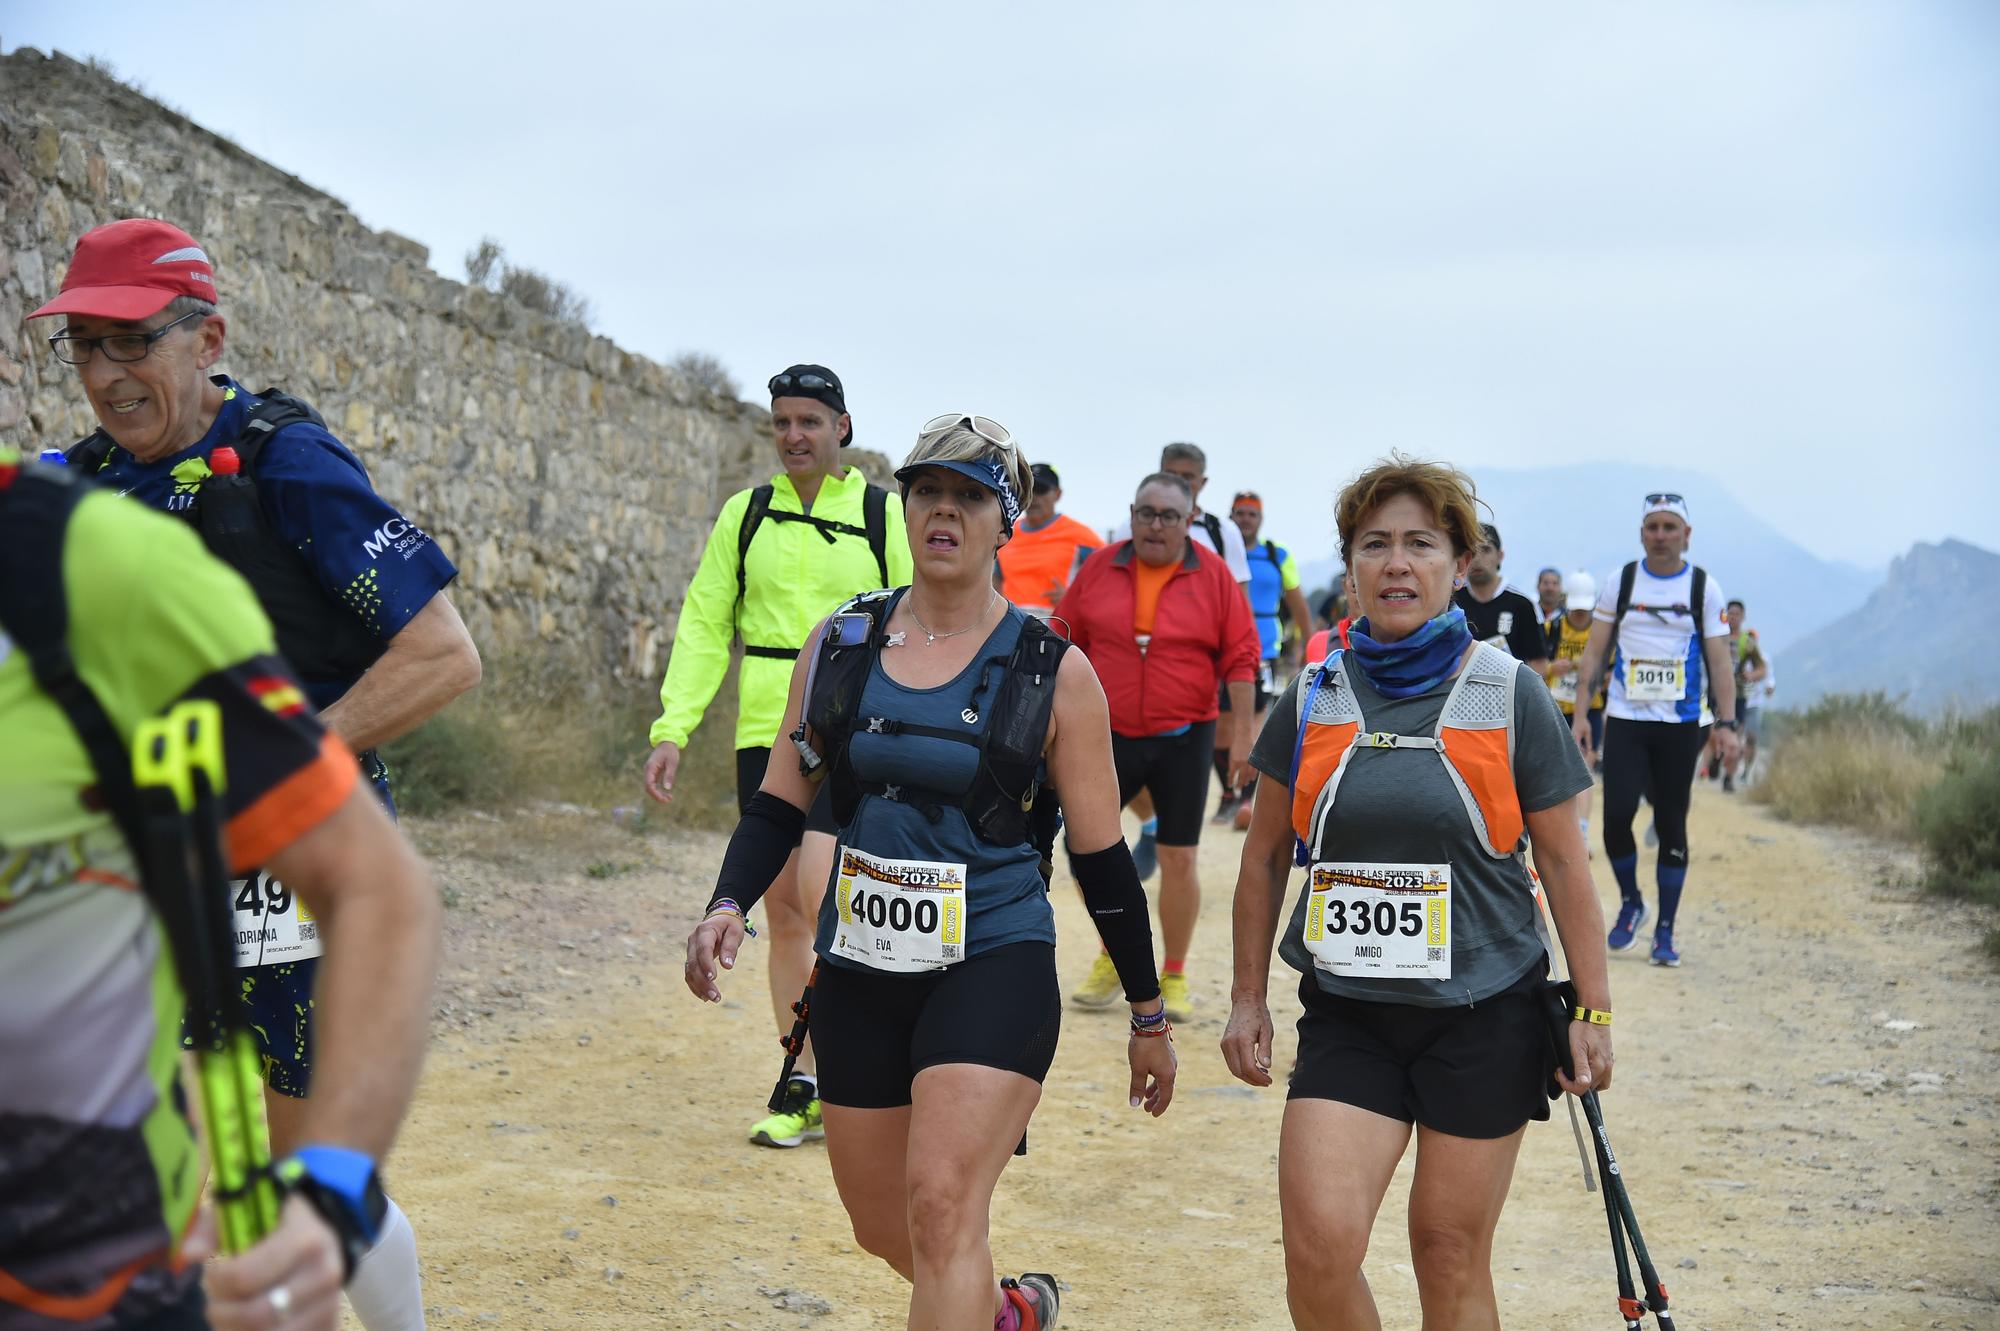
x: 1167, y: 628
x: 354, y: 590
x: 1046, y: 550
x: 1190, y: 463
x: 781, y: 557
x: 1664, y: 631
x: 1274, y: 587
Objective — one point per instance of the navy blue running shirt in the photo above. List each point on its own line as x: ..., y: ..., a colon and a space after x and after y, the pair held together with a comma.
x: 369, y: 557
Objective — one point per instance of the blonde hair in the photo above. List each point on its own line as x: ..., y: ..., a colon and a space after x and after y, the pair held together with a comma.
x: 1446, y: 491
x: 961, y: 443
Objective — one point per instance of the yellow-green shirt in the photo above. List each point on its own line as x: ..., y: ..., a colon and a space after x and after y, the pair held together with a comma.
x: 793, y: 578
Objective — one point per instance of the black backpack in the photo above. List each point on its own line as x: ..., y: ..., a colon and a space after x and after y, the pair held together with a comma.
x: 1214, y: 525
x: 322, y: 639
x: 1008, y: 803
x: 1626, y: 580
x: 874, y: 529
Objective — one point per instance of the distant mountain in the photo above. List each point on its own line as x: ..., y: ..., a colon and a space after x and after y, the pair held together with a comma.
x: 1588, y: 517
x: 1929, y: 635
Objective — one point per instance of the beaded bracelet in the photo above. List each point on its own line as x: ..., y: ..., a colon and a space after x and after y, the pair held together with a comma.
x: 1149, y: 1024
x: 727, y: 906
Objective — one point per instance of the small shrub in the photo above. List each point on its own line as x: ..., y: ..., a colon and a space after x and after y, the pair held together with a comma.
x: 707, y: 372
x: 1860, y: 762
x: 1958, y: 825
x: 486, y: 266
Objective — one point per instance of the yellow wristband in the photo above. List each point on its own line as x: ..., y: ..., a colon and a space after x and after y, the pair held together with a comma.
x: 1592, y: 1015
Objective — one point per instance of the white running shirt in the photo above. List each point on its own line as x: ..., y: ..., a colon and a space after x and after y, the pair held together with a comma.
x: 1659, y: 636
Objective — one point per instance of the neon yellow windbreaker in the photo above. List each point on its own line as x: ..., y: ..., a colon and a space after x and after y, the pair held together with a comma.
x: 793, y: 579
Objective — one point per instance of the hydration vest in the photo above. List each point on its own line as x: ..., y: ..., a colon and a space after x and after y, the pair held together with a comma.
x: 320, y: 637
x: 1009, y: 803
x: 1474, y: 739
x: 874, y: 529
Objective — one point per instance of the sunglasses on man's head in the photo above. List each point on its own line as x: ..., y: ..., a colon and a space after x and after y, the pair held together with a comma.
x: 781, y: 384
x: 992, y: 431
x: 1665, y: 498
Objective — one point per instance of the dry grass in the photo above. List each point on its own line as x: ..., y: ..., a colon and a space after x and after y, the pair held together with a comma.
x: 1865, y: 777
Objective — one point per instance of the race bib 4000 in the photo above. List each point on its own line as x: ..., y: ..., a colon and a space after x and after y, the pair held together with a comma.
x: 1381, y: 921
x: 899, y: 915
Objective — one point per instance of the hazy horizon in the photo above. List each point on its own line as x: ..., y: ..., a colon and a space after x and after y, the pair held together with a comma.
x: 1750, y: 243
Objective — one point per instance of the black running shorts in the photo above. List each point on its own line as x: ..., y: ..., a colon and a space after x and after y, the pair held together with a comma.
x: 750, y: 767
x: 1479, y: 1071
x: 1175, y: 769
x: 874, y: 1031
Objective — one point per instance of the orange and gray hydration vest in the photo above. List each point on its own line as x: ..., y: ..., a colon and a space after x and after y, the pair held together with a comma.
x: 1474, y: 739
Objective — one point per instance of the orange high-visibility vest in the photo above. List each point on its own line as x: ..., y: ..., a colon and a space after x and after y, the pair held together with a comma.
x: 1474, y: 739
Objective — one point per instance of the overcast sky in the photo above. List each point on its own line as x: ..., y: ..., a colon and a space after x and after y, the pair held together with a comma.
x: 1758, y: 239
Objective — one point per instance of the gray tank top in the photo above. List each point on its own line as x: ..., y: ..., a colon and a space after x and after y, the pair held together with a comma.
x: 911, y: 812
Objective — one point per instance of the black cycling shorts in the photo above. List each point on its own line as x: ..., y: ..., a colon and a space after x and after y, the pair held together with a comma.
x: 874, y: 1031
x: 1478, y: 1071
x: 750, y: 767
x: 1175, y: 769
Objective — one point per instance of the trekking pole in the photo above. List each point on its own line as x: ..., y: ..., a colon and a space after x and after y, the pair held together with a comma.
x: 177, y: 770
x: 1629, y: 1306
x: 795, y: 1043
x: 1616, y: 1191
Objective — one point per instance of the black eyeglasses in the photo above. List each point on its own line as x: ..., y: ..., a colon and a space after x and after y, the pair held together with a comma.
x: 72, y: 349
x: 781, y: 384
x: 1665, y: 498
x: 1157, y: 517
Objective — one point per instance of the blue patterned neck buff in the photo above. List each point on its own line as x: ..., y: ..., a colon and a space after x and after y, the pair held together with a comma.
x: 1416, y: 664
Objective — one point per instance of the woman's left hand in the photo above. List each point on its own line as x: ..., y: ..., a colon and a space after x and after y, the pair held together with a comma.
x: 1590, y: 1055
x: 1153, y: 1067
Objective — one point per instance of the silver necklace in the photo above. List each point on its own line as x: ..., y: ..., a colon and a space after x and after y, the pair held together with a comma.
x: 930, y: 637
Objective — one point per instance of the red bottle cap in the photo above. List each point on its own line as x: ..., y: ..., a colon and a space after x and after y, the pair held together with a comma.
x: 224, y: 462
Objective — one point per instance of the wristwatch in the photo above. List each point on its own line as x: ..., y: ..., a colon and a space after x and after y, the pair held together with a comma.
x: 1731, y: 724
x: 345, y: 1188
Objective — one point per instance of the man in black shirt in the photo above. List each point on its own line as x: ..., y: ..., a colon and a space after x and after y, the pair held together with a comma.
x: 1495, y: 612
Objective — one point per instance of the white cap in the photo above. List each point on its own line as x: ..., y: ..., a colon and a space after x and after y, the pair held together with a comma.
x: 1667, y: 502
x: 1579, y: 591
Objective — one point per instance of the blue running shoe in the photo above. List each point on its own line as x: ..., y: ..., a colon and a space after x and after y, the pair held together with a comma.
x: 1146, y: 855
x: 1664, y: 952
x: 1626, y: 931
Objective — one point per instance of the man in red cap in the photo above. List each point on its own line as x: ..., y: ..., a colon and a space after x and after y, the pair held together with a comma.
x: 355, y: 591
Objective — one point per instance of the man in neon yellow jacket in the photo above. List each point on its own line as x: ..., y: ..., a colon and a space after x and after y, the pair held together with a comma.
x: 781, y: 557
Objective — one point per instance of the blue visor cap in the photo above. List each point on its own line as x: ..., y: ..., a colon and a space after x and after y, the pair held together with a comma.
x: 990, y: 474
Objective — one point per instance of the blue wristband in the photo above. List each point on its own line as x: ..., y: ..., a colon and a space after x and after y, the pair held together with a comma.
x: 347, y: 1176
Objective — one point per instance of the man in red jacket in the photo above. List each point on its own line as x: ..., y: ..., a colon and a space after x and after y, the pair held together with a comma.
x: 1164, y: 624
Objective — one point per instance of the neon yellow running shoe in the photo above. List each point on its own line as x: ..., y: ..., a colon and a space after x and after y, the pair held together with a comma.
x: 797, y: 1120
x: 1100, y: 988
x: 1174, y: 995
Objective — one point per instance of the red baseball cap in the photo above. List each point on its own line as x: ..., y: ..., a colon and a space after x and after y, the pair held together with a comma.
x: 131, y: 270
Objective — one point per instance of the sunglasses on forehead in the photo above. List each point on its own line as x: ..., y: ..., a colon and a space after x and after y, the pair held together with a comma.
x: 1665, y: 497
x: 781, y: 384
x: 992, y: 431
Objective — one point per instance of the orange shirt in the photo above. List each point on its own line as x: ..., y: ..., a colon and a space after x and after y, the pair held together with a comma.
x: 1035, y: 565
x: 1151, y: 582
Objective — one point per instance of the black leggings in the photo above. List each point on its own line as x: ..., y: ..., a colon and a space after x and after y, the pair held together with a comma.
x: 1655, y: 759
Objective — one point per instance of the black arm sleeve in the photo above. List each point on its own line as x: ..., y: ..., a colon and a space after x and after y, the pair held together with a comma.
x: 763, y: 840
x: 1117, y: 905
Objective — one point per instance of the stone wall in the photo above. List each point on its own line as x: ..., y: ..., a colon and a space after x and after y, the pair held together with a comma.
x: 572, y: 482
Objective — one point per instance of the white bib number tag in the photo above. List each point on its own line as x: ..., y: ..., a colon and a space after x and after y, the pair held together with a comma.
x: 272, y: 927
x: 1380, y: 921
x: 1563, y: 688
x: 1655, y: 681
x: 899, y: 915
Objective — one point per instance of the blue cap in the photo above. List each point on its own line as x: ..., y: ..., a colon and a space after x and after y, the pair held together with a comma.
x: 55, y: 456
x: 991, y: 474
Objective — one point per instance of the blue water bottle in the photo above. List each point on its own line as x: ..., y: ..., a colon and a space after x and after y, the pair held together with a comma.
x: 55, y: 457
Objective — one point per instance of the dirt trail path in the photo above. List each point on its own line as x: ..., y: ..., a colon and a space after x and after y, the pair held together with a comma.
x: 1801, y: 1154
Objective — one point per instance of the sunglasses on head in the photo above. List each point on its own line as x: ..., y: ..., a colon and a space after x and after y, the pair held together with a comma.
x: 782, y: 384
x: 1665, y: 498
x: 992, y: 431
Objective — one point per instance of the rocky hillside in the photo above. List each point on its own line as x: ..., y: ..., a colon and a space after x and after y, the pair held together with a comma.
x: 1929, y: 635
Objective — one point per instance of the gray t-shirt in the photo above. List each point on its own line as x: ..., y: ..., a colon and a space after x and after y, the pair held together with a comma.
x: 1399, y: 806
